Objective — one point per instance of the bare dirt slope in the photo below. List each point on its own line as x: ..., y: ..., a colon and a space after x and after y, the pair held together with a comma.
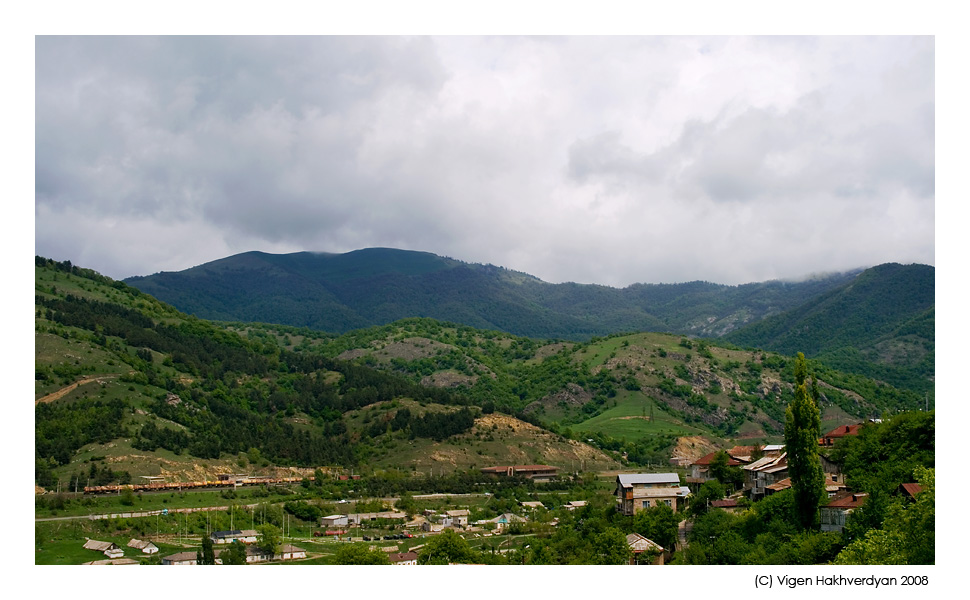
x: 70, y: 388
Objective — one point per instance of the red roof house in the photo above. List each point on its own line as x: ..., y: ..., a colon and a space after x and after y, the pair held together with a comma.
x: 839, y: 432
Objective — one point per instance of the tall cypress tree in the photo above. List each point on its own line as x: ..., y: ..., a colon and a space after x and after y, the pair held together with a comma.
x: 803, y: 428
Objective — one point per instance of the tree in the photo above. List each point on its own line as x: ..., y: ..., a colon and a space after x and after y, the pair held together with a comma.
x: 610, y: 548
x: 724, y: 473
x: 448, y: 547
x: 269, y: 538
x: 710, y: 490
x: 355, y: 554
x: 658, y: 524
x: 235, y: 554
x: 206, y: 556
x: 908, y: 535
x: 803, y: 428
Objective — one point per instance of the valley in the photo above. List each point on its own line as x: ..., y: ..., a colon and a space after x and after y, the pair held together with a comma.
x: 130, y: 389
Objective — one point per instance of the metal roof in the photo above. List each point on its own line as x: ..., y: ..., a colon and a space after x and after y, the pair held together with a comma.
x: 629, y: 479
x: 638, y: 543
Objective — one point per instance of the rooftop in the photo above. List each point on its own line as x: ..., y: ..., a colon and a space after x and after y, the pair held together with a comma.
x: 707, y: 458
x: 630, y: 479
x: 848, y: 501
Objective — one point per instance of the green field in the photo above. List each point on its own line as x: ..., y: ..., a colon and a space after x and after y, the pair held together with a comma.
x: 630, y: 419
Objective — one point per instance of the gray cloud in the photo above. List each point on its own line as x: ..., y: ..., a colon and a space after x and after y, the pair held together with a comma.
x: 597, y: 159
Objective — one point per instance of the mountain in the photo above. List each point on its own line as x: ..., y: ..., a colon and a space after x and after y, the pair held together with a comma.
x: 881, y: 324
x: 375, y: 286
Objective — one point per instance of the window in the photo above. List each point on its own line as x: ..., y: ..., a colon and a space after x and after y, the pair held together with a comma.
x: 646, y: 504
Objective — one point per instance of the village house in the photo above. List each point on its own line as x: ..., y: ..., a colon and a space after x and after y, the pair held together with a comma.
x: 838, y: 433
x: 764, y: 472
x: 645, y: 551
x: 638, y: 491
x: 246, y: 536
x: 109, y: 549
x: 700, y: 469
x: 835, y: 512
x: 430, y: 527
x: 533, y: 505
x: 403, y: 558
x: 181, y: 558
x: 333, y: 521
x: 358, y: 518
x: 255, y: 554
x: 146, y: 547
x: 113, y: 561
x: 727, y: 504
x: 534, y: 472
x: 909, y: 490
x: 455, y: 518
x: 291, y: 552
x: 832, y: 470
x: 772, y: 450
x: 831, y: 488
x: 502, y: 521
x: 574, y: 504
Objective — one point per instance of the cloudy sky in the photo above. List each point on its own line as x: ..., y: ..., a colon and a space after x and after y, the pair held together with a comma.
x: 607, y: 160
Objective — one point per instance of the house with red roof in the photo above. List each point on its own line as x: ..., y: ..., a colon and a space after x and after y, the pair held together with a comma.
x: 835, y: 513
x: 909, y: 490
x: 838, y: 433
x: 700, y: 469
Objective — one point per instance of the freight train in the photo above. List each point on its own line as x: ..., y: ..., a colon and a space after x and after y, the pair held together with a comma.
x: 188, y: 485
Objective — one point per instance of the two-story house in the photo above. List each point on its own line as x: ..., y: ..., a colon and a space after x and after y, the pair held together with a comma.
x: 764, y: 472
x: 639, y: 491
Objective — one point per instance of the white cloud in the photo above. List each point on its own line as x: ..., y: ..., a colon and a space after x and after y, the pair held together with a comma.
x: 594, y: 159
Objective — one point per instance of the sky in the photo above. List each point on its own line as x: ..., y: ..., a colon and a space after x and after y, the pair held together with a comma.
x: 593, y: 159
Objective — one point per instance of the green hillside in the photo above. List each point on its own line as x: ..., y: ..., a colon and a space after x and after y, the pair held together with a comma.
x: 127, y: 386
x: 636, y: 393
x: 881, y: 325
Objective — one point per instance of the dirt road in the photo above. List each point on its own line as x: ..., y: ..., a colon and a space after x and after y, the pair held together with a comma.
x: 66, y: 390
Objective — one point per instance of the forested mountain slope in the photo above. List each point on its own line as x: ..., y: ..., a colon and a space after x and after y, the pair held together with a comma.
x: 341, y: 292
x: 881, y: 325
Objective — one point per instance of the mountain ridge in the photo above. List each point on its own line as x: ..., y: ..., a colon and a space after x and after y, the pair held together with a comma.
x: 374, y: 286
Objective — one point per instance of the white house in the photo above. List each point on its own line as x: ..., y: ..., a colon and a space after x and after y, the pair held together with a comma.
x: 455, y: 518
x: 333, y: 521
x: 246, y: 536
x: 181, y: 558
